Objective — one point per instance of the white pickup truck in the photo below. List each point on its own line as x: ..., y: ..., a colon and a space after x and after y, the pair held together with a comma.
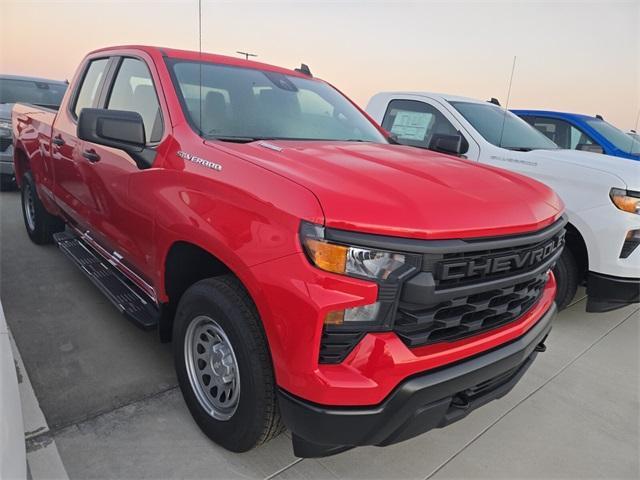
x: 601, y: 192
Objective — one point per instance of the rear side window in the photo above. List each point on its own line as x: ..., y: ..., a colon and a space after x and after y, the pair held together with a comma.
x: 89, y: 89
x: 414, y: 123
x: 133, y: 91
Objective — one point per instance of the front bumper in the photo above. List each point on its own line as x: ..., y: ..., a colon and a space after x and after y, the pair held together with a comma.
x: 421, y: 403
x: 606, y: 292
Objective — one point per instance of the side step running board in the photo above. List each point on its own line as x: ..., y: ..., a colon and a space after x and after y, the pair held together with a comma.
x: 132, y: 302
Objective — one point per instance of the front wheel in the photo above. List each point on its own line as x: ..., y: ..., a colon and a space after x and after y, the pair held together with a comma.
x: 566, y: 273
x: 224, y: 366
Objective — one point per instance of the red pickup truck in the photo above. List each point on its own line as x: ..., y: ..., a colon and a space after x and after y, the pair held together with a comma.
x: 310, y: 272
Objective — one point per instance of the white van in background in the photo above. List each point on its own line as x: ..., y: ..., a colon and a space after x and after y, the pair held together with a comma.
x: 601, y: 192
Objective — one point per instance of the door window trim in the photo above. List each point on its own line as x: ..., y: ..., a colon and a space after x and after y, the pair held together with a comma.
x: 76, y: 91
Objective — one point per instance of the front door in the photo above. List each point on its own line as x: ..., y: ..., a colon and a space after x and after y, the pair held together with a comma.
x: 122, y: 218
x: 416, y: 122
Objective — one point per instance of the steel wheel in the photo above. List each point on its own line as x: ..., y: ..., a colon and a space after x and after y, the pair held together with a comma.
x: 29, y: 206
x: 212, y: 367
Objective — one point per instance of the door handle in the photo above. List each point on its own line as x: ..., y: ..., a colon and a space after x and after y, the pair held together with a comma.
x: 91, y: 155
x: 58, y: 140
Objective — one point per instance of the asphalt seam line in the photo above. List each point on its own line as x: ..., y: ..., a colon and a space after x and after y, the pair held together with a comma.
x: 51, y: 432
x: 283, y: 469
x: 553, y: 377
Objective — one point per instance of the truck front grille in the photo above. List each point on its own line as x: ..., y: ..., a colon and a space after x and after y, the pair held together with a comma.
x: 457, y: 289
x: 467, y: 315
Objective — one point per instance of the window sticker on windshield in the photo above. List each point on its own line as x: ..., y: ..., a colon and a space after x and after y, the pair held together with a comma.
x: 411, y: 125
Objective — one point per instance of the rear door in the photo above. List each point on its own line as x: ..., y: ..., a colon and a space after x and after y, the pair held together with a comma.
x: 122, y: 216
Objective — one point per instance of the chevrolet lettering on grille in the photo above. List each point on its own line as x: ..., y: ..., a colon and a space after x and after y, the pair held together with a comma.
x: 472, y: 267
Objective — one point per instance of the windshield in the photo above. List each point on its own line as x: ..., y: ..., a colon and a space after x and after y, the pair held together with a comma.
x: 617, y: 137
x: 31, y: 91
x: 488, y: 120
x: 243, y: 104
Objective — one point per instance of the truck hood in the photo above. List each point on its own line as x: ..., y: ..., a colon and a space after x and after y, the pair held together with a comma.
x: 627, y: 171
x: 405, y: 191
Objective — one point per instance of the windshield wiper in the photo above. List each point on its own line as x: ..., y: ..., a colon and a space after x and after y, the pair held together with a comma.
x: 233, y: 139
x: 519, y: 149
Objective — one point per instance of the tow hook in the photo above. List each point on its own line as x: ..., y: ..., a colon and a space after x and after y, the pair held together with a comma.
x: 541, y: 347
x: 461, y: 401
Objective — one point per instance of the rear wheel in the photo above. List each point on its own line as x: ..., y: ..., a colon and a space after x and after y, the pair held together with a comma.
x: 566, y: 273
x: 224, y: 366
x: 40, y: 224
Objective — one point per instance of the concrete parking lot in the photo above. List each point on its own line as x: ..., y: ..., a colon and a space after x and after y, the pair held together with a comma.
x: 108, y: 393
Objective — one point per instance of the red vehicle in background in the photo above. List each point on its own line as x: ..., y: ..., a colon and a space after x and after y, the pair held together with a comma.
x: 309, y: 272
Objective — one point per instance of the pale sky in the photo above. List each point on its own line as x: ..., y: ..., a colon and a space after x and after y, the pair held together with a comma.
x: 574, y: 56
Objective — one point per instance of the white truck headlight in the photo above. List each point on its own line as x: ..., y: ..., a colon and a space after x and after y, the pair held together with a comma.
x: 626, y: 200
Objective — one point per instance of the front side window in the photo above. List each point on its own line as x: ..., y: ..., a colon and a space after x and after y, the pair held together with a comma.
x: 133, y: 91
x: 415, y: 123
x: 31, y: 91
x: 243, y: 104
x: 561, y: 132
x: 502, y: 128
x: 617, y: 137
x: 89, y: 89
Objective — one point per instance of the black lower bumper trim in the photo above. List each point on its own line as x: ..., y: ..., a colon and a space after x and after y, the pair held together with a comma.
x: 606, y: 292
x: 421, y: 403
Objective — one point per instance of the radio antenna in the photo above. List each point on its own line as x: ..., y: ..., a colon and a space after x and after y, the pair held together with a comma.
x: 636, y: 129
x: 200, y: 61
x: 506, y: 107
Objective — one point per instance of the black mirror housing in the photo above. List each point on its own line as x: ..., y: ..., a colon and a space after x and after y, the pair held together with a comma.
x: 119, y: 129
x: 452, y: 144
x: 112, y: 128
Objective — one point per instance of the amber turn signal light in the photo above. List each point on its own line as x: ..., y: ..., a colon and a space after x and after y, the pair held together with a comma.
x: 327, y: 256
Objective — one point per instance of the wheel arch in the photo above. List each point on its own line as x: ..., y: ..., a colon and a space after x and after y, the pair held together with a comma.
x: 186, y: 263
x: 575, y: 242
x: 21, y: 163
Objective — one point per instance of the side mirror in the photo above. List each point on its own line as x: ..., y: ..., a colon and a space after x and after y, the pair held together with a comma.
x: 119, y: 129
x: 452, y: 144
x: 589, y: 147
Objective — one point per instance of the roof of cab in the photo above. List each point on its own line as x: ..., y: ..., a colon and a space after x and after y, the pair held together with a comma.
x: 207, y: 57
x: 550, y: 113
x: 436, y: 96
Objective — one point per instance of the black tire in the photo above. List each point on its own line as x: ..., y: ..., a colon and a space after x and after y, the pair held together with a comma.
x: 257, y: 417
x: 40, y: 224
x: 566, y: 273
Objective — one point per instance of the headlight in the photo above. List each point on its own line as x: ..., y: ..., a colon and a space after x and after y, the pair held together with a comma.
x: 5, y: 128
x: 381, y: 266
x: 347, y: 259
x: 626, y: 200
